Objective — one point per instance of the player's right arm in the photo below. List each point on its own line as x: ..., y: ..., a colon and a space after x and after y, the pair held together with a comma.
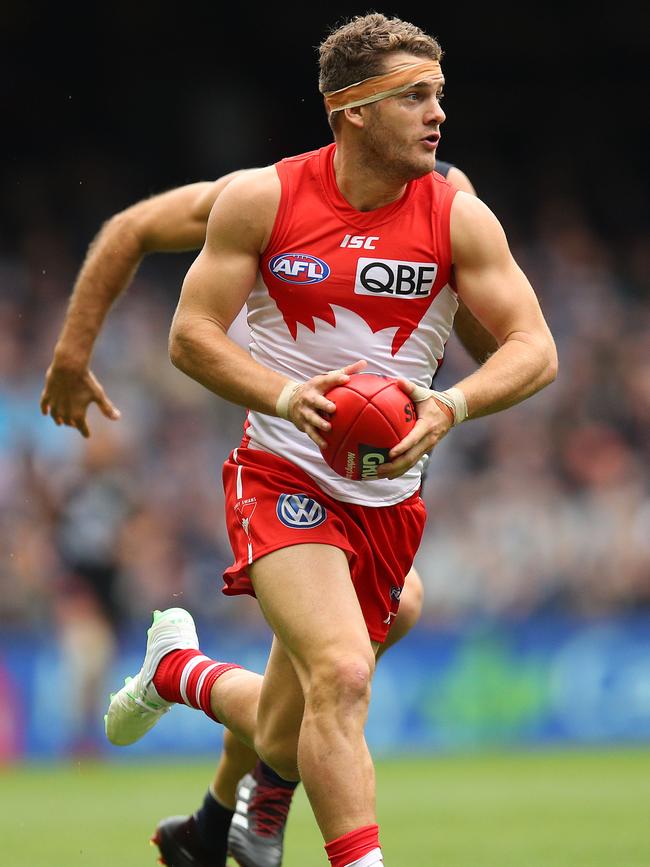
x: 214, y: 291
x: 169, y: 222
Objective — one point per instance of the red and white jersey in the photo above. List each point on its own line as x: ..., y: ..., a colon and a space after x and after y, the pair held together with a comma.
x: 337, y: 285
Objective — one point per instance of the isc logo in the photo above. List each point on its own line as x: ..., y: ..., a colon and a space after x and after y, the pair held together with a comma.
x: 299, y: 268
x: 357, y: 241
x: 391, y: 278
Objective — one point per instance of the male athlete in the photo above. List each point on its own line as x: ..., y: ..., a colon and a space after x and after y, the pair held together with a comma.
x: 176, y: 221
x: 382, y: 81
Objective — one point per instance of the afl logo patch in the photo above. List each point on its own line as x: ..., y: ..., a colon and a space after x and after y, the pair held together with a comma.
x: 299, y: 268
x: 299, y: 511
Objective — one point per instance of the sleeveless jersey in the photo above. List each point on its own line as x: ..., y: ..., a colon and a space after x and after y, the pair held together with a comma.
x: 336, y: 285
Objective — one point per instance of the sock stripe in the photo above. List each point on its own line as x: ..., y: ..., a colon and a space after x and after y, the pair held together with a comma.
x: 201, y: 681
x: 187, y: 671
x: 211, y: 679
x: 187, y: 677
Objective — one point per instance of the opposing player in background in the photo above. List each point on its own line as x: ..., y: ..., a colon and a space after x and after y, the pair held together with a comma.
x: 270, y: 237
x: 173, y: 222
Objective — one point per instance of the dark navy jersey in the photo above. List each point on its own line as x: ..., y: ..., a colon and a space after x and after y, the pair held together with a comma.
x: 443, y: 168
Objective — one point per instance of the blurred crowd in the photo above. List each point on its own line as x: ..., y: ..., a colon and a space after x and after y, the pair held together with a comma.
x: 544, y: 507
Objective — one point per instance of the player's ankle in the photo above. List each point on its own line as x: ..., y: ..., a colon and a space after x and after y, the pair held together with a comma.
x: 187, y: 677
x: 168, y: 674
x: 212, y: 821
x: 265, y: 775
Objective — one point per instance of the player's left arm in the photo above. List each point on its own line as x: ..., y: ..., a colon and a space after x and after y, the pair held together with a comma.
x: 499, y: 295
x: 477, y: 341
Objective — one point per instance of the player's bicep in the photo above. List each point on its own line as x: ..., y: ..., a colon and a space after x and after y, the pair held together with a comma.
x: 217, y: 285
x: 220, y: 279
x: 488, y: 279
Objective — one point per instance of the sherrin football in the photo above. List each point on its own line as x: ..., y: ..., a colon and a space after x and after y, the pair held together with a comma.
x: 372, y: 415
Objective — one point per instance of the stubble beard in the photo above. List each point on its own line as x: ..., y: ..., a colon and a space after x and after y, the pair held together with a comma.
x: 384, y: 155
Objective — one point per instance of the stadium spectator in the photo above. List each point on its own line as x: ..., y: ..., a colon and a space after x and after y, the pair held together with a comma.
x: 607, y: 382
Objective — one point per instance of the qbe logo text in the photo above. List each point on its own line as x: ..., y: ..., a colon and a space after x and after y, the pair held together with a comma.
x: 392, y: 278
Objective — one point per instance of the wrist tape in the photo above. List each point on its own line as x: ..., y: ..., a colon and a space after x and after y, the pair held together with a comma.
x: 453, y: 398
x: 282, y: 403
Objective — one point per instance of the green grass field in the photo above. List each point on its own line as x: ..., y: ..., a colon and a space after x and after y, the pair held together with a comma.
x: 569, y: 809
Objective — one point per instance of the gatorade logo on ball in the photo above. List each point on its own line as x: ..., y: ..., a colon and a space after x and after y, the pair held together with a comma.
x: 299, y: 268
x: 370, y: 458
x: 391, y: 278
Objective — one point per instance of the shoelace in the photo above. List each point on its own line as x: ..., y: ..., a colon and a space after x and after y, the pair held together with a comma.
x: 270, y: 807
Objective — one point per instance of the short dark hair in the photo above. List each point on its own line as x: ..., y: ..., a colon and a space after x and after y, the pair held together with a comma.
x: 357, y: 50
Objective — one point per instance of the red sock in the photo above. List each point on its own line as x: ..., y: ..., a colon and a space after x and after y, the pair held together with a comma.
x: 187, y: 677
x: 352, y: 846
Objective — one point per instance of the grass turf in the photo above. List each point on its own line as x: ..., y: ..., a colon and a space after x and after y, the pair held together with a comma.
x: 546, y: 809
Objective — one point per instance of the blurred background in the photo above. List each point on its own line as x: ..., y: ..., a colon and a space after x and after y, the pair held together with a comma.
x: 536, y: 558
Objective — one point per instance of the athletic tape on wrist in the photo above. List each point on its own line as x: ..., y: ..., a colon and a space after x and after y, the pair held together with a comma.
x: 457, y: 397
x: 282, y: 403
x: 452, y: 397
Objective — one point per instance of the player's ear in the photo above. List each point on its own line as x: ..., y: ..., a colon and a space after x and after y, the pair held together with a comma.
x: 355, y: 116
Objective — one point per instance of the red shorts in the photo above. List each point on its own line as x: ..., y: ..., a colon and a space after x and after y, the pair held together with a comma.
x: 272, y: 504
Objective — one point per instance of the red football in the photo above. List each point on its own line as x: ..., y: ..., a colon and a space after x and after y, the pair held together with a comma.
x: 372, y: 415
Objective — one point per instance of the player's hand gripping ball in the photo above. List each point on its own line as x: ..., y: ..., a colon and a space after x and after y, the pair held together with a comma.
x: 372, y: 415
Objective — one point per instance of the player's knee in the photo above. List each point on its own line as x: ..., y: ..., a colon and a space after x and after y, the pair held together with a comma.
x: 341, y: 680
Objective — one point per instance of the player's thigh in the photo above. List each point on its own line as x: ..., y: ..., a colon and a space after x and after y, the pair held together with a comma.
x: 413, y: 589
x: 409, y: 612
x: 308, y: 599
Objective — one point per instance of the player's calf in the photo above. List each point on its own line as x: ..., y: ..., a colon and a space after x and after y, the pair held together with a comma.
x: 278, y: 751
